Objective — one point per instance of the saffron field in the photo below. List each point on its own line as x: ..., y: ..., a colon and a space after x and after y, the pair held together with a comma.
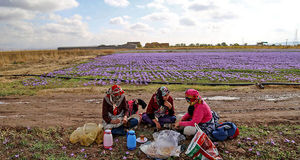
x: 188, y: 67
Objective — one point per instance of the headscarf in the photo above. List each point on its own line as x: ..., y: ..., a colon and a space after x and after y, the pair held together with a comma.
x: 192, y: 96
x: 162, y: 91
x: 114, y: 94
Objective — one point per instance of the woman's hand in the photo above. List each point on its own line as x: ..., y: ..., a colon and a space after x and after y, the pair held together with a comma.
x: 125, y: 119
x: 158, y: 126
x: 166, y: 103
x: 176, y: 125
x: 115, y: 121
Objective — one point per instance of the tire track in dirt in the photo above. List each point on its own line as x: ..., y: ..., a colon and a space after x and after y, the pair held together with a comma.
x: 260, y: 109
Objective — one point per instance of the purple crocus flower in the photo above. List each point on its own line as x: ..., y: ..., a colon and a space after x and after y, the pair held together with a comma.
x: 257, y: 153
x: 293, y: 141
x: 6, y: 140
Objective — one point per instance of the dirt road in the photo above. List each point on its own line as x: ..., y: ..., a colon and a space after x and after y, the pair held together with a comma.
x: 243, y: 105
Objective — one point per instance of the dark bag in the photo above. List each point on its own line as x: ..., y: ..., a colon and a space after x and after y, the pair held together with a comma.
x: 227, y: 130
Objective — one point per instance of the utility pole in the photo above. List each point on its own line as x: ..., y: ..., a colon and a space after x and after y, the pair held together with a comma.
x: 286, y: 42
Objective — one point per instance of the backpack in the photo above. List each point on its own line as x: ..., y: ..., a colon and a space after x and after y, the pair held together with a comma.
x: 227, y: 130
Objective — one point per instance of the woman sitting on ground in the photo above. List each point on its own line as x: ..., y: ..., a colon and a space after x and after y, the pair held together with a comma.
x: 160, y: 110
x: 198, y: 112
x: 133, y: 109
x: 115, y: 111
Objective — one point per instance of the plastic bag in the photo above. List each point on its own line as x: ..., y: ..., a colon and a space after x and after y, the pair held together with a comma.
x: 202, y: 148
x: 165, y: 144
x: 100, y: 135
x: 87, y: 134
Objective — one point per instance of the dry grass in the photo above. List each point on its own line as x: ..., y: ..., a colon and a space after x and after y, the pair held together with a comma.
x: 16, y: 57
x: 43, y: 61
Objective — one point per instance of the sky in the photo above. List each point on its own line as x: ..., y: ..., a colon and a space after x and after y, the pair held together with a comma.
x: 48, y: 24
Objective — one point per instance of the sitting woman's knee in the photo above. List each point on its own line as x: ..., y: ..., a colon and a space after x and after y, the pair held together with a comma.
x: 189, y: 131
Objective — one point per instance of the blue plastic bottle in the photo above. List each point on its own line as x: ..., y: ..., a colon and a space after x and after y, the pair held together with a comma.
x: 131, y: 140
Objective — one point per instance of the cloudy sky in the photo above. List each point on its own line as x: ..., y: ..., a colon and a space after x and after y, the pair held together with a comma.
x: 48, y: 24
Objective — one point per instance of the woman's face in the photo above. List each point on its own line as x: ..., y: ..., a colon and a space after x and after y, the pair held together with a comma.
x: 188, y: 100
x: 165, y: 98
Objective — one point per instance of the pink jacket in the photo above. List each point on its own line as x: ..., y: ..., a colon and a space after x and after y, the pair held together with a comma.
x: 201, y: 114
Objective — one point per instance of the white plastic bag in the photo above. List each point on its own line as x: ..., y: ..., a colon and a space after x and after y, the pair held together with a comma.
x: 165, y: 144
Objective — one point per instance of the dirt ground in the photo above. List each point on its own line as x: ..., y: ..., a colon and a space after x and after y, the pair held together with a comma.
x: 249, y: 105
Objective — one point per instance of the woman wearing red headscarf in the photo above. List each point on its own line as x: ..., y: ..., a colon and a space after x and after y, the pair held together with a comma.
x: 115, y: 111
x: 198, y: 112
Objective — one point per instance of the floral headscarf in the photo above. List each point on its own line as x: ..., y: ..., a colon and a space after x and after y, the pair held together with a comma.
x: 192, y: 96
x: 162, y: 91
x: 115, y: 96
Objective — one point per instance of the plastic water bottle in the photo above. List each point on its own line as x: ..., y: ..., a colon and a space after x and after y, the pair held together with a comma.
x: 107, y: 139
x: 131, y: 140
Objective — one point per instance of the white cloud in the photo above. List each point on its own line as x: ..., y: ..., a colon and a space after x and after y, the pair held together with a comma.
x: 126, y: 17
x: 72, y: 26
x: 217, y: 16
x: 201, y: 7
x: 140, y: 6
x: 140, y: 27
x: 157, y: 16
x: 117, y: 3
x: 118, y: 21
x: 15, y: 14
x: 60, y: 32
x: 187, y: 21
x: 40, y: 5
x: 164, y: 30
x: 157, y: 4
x: 54, y: 17
x: 177, y: 2
x: 88, y: 18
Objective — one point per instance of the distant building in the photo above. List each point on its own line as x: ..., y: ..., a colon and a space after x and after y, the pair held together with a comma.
x: 138, y: 44
x: 128, y: 45
x: 261, y: 43
x: 157, y: 45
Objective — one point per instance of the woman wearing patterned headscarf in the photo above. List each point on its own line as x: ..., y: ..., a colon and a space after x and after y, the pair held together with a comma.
x: 198, y: 112
x: 115, y: 111
x: 160, y: 110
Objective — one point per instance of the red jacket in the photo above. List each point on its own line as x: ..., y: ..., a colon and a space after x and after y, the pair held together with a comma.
x: 107, y: 107
x: 153, y: 106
